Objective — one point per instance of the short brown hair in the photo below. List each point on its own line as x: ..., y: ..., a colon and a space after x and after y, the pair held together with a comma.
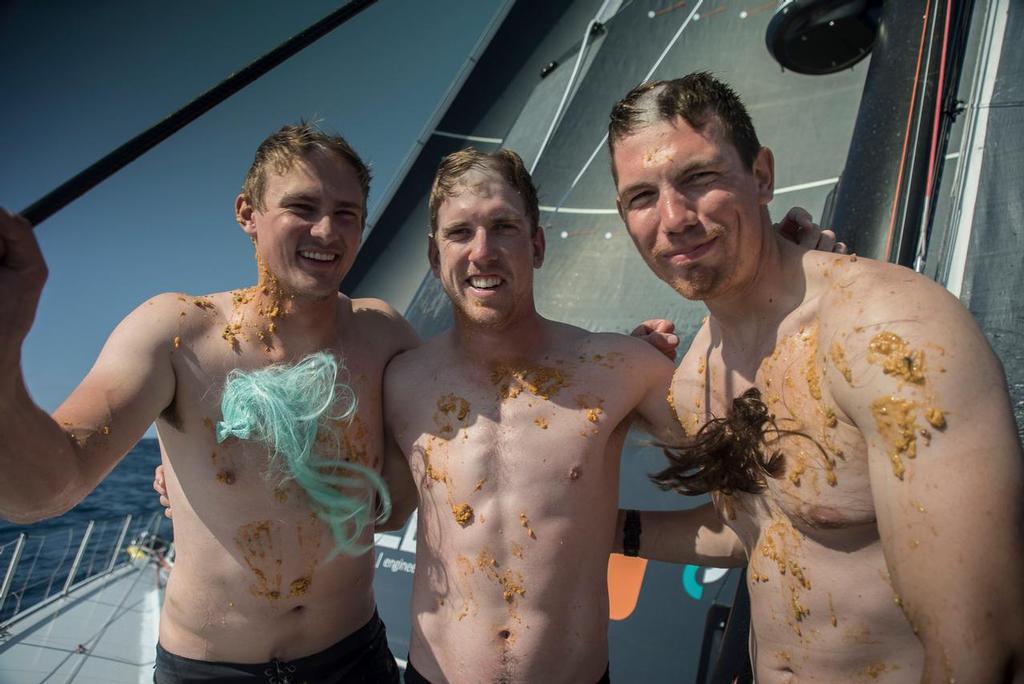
x: 297, y: 141
x: 694, y: 97
x: 507, y: 163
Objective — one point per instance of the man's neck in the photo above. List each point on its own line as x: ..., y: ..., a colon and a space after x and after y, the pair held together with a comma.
x: 522, y: 338
x: 749, y: 315
x: 291, y: 323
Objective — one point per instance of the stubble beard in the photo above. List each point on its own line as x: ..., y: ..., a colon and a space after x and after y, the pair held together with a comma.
x: 475, y: 314
x: 697, y: 285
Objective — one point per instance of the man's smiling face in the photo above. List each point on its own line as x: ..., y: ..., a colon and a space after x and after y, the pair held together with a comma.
x: 484, y: 250
x: 309, y: 230
x: 691, y: 206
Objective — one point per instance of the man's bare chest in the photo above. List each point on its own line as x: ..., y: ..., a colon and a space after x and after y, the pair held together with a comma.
x: 823, y: 481
x: 536, y: 432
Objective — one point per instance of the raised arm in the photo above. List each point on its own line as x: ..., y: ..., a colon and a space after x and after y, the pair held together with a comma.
x: 51, y: 463
x: 920, y: 381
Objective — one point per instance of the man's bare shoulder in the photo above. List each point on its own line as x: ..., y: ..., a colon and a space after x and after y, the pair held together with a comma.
x: 609, y: 347
x: 861, y: 293
x: 163, y: 313
x: 427, y: 355
x: 379, y: 320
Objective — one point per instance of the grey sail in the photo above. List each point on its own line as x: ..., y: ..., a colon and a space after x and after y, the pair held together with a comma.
x: 593, y: 276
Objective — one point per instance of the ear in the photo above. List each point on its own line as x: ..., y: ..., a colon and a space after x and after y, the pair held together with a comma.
x: 539, y: 245
x: 433, y: 256
x: 764, y: 174
x: 244, y: 215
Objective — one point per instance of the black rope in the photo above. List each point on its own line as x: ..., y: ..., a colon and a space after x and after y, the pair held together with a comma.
x: 77, y: 186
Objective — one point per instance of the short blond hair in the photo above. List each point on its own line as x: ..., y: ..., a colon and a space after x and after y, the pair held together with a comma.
x: 297, y: 141
x: 506, y: 163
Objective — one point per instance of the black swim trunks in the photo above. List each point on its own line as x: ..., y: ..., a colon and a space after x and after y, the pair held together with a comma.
x: 362, y: 656
x: 414, y: 677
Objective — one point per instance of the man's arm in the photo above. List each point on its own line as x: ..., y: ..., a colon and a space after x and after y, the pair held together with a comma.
x: 396, y: 472
x: 50, y: 464
x: 923, y: 386
x: 404, y: 495
x: 697, y: 536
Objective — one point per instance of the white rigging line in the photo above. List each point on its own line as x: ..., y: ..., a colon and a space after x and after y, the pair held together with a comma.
x: 604, y: 138
x: 568, y: 86
x: 471, y: 138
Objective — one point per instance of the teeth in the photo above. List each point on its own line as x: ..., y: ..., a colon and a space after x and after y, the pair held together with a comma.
x: 318, y: 256
x: 484, y: 282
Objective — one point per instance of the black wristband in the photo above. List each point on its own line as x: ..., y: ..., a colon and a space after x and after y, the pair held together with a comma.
x: 631, y: 534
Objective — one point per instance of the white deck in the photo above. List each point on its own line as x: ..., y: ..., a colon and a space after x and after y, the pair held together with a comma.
x: 103, y: 632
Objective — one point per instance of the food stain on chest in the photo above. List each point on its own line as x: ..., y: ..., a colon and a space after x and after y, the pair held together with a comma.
x: 225, y: 476
x: 451, y: 409
x: 592, y: 408
x: 811, y: 368
x: 838, y: 357
x: 462, y: 511
x: 542, y: 382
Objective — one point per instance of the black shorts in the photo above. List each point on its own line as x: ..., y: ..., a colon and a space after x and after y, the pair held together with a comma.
x: 362, y: 656
x: 414, y: 677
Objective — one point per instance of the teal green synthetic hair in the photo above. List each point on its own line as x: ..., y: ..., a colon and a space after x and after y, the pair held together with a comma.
x: 285, y: 407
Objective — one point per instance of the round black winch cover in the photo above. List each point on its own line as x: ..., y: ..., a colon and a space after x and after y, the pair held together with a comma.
x: 823, y: 36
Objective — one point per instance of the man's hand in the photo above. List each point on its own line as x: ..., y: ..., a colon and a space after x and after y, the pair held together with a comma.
x: 798, y: 226
x: 660, y: 334
x: 22, y: 275
x: 160, y: 487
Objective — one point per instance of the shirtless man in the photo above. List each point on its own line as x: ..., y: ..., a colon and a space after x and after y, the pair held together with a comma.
x: 255, y: 587
x: 513, y: 435
x: 885, y: 541
x: 513, y: 432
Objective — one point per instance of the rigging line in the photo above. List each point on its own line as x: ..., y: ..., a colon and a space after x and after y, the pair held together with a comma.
x: 80, y: 184
x: 940, y: 96
x: 604, y: 138
x: 471, y: 138
x: 568, y: 86
x: 894, y: 211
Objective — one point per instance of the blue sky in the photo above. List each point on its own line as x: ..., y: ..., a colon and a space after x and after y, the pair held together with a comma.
x: 80, y: 78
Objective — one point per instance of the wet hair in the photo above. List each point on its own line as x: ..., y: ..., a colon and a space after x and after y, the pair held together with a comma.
x: 727, y: 454
x: 285, y: 407
x: 293, y: 142
x: 506, y: 163
x: 696, y: 98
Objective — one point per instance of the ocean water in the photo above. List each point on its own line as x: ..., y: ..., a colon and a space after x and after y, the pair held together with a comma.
x: 51, y: 545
